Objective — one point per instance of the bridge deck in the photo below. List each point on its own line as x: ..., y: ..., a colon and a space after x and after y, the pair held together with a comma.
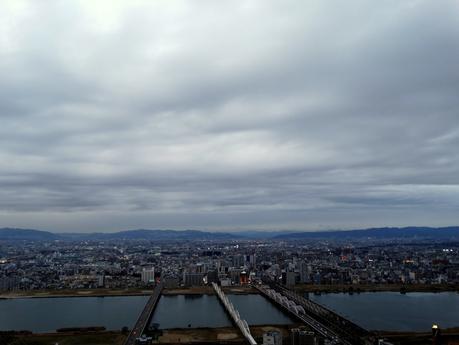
x: 242, y: 324
x: 321, y: 329
x: 346, y: 328
x: 145, y: 316
x: 333, y: 327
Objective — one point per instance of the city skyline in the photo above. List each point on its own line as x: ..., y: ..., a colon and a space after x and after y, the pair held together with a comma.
x: 198, y: 115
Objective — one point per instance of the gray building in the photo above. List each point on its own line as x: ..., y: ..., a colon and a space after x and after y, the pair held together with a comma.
x: 193, y: 279
x: 290, y: 279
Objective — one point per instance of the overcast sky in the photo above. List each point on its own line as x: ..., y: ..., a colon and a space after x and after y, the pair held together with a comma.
x: 228, y: 115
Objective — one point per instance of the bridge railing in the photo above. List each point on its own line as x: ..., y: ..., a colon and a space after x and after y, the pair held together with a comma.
x: 347, y: 330
x: 145, y: 316
x: 327, y: 313
x: 241, y: 323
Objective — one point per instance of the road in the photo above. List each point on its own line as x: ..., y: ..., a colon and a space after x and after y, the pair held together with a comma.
x: 145, y: 316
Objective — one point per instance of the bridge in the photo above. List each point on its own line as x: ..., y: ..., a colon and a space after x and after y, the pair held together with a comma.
x: 145, y: 316
x: 328, y: 324
x: 242, y: 324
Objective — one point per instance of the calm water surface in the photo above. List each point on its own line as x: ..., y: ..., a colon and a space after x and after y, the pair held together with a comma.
x: 183, y: 311
x: 379, y: 310
x: 394, y: 311
x: 257, y: 310
x: 48, y: 314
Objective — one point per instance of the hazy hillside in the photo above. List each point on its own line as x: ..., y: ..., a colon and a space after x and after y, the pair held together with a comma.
x: 381, y: 233
x: 26, y: 234
x: 189, y: 235
x: 167, y: 235
x: 141, y: 234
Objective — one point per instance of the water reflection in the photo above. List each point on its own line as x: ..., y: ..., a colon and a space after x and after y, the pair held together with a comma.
x: 394, y: 311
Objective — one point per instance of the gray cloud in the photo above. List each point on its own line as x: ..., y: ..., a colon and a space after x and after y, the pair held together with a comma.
x: 228, y: 115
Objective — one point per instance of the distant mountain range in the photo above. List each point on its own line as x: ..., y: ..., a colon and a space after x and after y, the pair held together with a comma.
x: 143, y: 234
x: 376, y: 233
x: 26, y: 234
x: 11, y: 234
x: 140, y: 234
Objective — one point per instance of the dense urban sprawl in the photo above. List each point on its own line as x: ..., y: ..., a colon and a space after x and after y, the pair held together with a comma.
x: 136, y: 264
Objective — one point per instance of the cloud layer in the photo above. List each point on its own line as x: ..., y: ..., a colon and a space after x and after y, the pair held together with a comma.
x: 228, y: 114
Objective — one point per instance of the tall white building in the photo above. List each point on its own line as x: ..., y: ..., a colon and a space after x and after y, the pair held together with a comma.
x: 148, y: 275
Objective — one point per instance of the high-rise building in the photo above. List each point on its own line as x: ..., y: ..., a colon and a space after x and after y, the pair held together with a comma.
x: 193, y: 279
x: 290, y: 279
x: 235, y: 275
x: 304, y: 272
x: 201, y: 268
x: 238, y: 261
x: 101, y: 281
x: 148, y: 275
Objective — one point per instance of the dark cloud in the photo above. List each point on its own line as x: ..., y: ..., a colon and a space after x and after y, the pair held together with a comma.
x: 228, y: 115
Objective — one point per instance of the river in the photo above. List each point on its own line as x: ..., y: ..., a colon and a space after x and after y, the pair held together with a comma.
x: 393, y: 311
x: 183, y: 311
x: 47, y: 314
x: 374, y: 311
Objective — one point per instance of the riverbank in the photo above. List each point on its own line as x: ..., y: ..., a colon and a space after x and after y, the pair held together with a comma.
x: 356, y: 288
x: 221, y: 335
x: 207, y: 290
x: 75, y: 293
x: 200, y: 290
x: 449, y: 336
x: 67, y: 338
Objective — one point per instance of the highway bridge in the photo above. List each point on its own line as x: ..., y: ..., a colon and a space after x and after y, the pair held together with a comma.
x: 331, y: 326
x: 145, y: 316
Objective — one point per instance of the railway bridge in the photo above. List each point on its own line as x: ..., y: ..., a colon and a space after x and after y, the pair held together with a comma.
x: 333, y: 327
